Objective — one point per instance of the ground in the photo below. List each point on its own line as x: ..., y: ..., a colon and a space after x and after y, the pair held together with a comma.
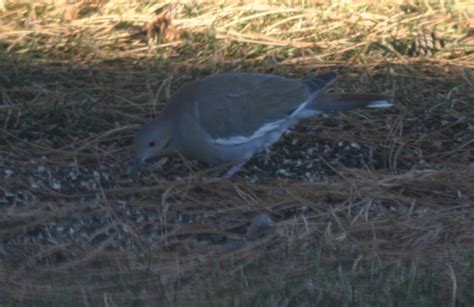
x: 368, y: 207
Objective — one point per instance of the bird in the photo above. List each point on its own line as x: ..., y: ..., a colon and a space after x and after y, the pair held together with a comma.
x: 226, y: 118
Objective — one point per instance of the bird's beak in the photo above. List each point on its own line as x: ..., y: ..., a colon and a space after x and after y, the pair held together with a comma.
x: 136, y: 163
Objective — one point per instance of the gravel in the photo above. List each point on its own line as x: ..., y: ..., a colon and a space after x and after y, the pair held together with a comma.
x: 56, y: 204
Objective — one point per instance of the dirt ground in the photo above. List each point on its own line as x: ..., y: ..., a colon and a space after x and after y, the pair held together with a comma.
x: 368, y: 207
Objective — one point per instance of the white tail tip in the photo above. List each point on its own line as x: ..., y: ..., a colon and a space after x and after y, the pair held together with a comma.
x: 380, y: 104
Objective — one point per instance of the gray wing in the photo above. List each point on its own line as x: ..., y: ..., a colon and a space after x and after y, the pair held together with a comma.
x: 237, y: 105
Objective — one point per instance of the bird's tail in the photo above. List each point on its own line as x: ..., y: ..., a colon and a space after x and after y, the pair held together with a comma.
x: 336, y: 102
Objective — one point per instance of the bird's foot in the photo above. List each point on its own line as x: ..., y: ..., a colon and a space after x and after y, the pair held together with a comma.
x: 234, y: 169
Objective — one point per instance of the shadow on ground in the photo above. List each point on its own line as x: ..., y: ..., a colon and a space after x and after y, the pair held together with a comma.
x: 363, y: 201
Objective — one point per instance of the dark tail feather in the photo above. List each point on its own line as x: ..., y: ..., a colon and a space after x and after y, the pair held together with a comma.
x: 334, y: 102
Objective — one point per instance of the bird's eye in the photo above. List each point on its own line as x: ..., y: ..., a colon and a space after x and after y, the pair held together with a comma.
x: 151, y: 144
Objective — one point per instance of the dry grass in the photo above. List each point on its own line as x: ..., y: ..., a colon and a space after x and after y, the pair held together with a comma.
x: 76, y: 80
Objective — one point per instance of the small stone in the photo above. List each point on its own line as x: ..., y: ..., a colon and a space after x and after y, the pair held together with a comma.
x: 283, y: 172
x: 125, y: 228
x: 341, y: 237
x: 96, y: 176
x: 8, y: 172
x: 9, y: 194
x: 72, y: 175
x: 260, y: 223
x: 56, y: 185
x: 355, y: 145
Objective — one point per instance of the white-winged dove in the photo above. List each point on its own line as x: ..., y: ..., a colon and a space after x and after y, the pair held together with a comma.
x: 229, y: 117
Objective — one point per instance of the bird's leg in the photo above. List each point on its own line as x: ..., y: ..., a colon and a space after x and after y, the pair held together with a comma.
x: 233, y: 169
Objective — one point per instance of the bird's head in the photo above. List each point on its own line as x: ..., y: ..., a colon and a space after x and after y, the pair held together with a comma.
x: 152, y: 140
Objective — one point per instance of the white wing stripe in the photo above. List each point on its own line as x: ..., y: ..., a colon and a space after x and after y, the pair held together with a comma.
x: 301, y: 107
x: 237, y: 140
